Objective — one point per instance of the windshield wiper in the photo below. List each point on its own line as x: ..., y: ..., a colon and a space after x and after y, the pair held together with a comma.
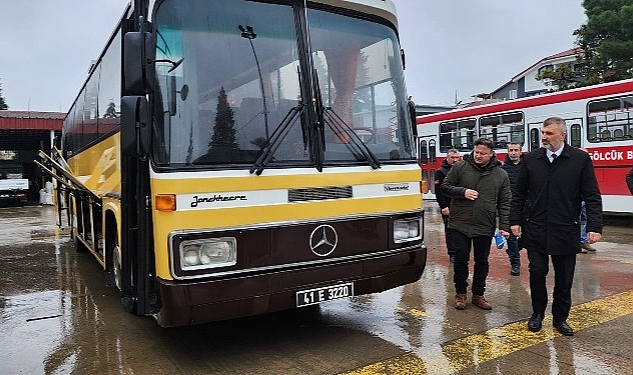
x: 356, y: 146
x: 275, y: 140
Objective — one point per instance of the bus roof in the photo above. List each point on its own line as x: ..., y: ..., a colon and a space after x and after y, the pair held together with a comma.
x: 596, y: 91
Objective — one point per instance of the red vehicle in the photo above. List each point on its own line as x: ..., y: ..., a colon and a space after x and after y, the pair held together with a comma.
x: 599, y: 119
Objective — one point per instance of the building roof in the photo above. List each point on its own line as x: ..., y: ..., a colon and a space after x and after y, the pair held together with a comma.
x: 33, y: 115
x: 28, y: 130
x: 567, y: 53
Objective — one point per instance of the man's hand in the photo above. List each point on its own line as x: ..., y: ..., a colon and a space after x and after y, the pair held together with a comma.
x: 516, y: 230
x: 445, y: 211
x: 593, y: 237
x: 471, y: 194
x: 504, y: 233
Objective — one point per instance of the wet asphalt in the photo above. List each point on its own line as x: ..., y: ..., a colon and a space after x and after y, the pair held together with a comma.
x: 58, y: 315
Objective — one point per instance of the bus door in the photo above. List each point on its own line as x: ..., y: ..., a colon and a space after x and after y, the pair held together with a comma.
x: 575, y: 132
x: 534, y: 136
x: 427, y: 155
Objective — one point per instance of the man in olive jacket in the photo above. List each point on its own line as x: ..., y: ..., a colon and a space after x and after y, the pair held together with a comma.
x: 480, y: 191
x: 552, y: 183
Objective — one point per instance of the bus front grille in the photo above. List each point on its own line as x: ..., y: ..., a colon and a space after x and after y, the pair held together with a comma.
x: 318, y: 194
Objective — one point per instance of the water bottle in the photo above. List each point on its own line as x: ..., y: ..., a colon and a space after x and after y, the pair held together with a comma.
x: 500, y: 241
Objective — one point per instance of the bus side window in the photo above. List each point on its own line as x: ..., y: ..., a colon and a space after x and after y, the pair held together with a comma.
x: 575, y: 135
x: 618, y: 134
x: 535, y: 139
x: 424, y: 155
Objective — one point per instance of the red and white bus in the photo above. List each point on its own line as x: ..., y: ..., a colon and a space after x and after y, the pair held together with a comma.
x: 599, y: 119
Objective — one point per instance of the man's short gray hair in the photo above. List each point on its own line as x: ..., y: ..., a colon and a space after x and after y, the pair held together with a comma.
x: 556, y: 121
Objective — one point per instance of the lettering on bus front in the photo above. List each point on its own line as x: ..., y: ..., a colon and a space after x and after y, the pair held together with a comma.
x: 216, y: 198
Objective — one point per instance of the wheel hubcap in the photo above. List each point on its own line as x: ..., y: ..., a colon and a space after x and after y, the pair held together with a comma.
x: 116, y: 265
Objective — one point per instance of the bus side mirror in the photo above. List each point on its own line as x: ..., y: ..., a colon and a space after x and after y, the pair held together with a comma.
x: 138, y: 63
x: 412, y: 115
x: 135, y: 127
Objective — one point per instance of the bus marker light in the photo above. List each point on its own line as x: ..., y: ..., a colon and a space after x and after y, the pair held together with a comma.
x: 165, y: 202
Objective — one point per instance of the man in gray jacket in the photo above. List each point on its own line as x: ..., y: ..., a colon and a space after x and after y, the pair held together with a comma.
x: 480, y: 192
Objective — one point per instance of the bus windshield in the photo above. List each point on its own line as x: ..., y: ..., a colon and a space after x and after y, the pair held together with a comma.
x: 228, y: 82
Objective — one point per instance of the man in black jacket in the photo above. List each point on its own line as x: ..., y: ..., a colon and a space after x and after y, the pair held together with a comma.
x: 511, y: 166
x: 480, y: 192
x: 452, y: 156
x: 552, y: 182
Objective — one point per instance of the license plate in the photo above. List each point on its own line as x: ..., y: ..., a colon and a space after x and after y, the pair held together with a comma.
x: 323, y: 294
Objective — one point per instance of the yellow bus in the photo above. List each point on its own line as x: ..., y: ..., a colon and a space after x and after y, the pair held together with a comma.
x: 230, y: 158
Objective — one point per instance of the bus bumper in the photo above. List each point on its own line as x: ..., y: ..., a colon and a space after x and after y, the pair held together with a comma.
x: 188, y: 303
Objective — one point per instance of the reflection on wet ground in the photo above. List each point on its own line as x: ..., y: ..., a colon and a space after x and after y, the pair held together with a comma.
x: 58, y: 316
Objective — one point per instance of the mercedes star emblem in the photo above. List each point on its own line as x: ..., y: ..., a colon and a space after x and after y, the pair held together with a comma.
x: 323, y: 240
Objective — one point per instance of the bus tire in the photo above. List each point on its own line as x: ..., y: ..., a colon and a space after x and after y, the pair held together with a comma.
x: 129, y: 304
x: 115, y: 265
x: 117, y: 272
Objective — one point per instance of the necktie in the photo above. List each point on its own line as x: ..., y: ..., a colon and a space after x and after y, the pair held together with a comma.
x: 554, y: 157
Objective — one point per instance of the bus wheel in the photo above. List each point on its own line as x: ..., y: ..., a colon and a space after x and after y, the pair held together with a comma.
x: 116, y: 267
x: 128, y: 302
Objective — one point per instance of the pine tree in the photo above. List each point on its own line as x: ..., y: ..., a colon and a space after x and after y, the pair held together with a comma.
x: 110, y: 111
x: 190, y: 148
x: 605, y: 47
x: 606, y: 39
x: 224, y: 128
x: 3, y: 104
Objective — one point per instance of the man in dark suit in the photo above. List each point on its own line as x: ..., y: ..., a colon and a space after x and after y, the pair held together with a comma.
x: 444, y: 201
x: 511, y: 165
x: 552, y: 182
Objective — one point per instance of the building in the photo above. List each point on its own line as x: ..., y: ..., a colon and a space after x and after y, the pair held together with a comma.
x: 525, y: 83
x: 22, y: 135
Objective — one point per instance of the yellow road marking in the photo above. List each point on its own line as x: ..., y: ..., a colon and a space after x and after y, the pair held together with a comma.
x: 476, y: 349
x: 413, y: 312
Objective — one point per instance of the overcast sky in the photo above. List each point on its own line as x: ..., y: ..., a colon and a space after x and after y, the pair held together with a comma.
x: 452, y: 46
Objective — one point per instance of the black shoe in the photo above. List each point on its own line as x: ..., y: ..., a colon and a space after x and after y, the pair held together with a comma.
x: 452, y: 257
x: 515, y: 271
x: 563, y: 328
x: 535, y: 323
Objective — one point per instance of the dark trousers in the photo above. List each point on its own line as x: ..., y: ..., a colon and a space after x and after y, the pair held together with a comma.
x: 481, y: 251
x: 449, y: 236
x: 514, y: 246
x: 564, y: 266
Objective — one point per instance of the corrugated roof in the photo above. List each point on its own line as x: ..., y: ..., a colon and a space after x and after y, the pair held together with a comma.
x: 33, y: 115
x: 28, y: 130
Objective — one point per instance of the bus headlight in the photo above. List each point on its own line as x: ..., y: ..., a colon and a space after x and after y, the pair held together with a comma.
x: 208, y: 253
x: 405, y: 230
